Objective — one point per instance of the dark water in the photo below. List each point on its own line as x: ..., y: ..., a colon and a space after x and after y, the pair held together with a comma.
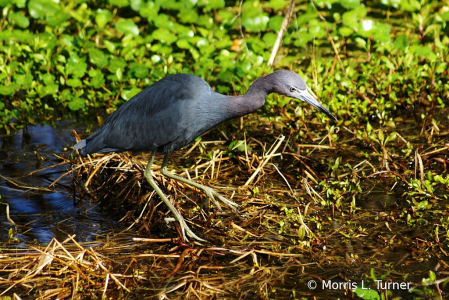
x: 40, y: 216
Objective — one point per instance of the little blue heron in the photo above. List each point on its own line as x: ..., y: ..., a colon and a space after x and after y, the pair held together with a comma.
x: 174, y: 111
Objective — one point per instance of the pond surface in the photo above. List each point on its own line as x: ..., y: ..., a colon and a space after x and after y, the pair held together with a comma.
x: 41, y: 216
x: 373, y: 239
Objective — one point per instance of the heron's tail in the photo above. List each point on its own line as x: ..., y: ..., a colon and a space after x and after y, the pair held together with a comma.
x: 80, y: 145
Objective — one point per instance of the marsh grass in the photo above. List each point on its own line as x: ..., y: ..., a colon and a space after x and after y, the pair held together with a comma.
x: 304, y: 215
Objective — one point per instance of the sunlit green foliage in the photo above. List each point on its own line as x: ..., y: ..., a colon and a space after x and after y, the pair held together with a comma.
x: 80, y: 55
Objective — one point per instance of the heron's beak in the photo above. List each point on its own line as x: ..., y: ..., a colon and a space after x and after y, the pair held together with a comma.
x: 305, y: 96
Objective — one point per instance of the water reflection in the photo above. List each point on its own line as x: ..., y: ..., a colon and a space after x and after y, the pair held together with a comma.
x: 40, y: 216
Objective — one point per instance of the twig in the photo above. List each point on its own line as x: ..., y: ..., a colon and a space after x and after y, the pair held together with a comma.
x: 260, y: 167
x: 283, y: 178
x: 147, y: 240
x: 21, y: 185
x: 178, y: 265
x: 281, y: 33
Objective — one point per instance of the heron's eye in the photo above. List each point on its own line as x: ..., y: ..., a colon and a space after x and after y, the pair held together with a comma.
x: 292, y: 89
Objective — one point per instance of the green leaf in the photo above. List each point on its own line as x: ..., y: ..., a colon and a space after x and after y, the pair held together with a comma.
x: 442, y: 67
x: 275, y: 23
x: 116, y: 63
x: 46, y: 41
x: 110, y: 46
x: 317, y: 28
x: 226, y: 16
x: 223, y: 89
x: 97, y: 80
x: 432, y: 276
x: 422, y: 205
x: 360, y: 42
x: 49, y: 89
x: 97, y: 57
x: 74, y: 82
x: 353, y: 17
x: 380, y: 135
x: 269, y: 38
x: 305, y: 37
x: 345, y: 31
x: 128, y: 94
x: 149, y: 10
x: 257, y: 45
x: 174, y: 4
x: 381, y: 33
x: 136, y: 4
x: 367, y: 293
x: 369, y: 128
x: 24, y: 80
x: 255, y: 23
x: 102, y: 17
x: 139, y: 71
x: 77, y: 103
x: 65, y: 96
x: 38, y: 9
x: 425, y: 51
x: 410, y: 5
x: 277, y: 4
x: 183, y: 43
x: 57, y: 19
x: 373, y: 274
x: 10, y: 89
x: 20, y: 19
x: 18, y: 3
x: 119, y: 74
x: 215, y: 4
x: 391, y: 137
x: 48, y: 78
x: 445, y: 15
x: 76, y: 66
x: 163, y: 21
x: 430, y: 176
x: 119, y: 3
x: 4, y: 3
x: 239, y: 145
x: 400, y: 42
x: 350, y: 4
x: 164, y: 36
x: 188, y: 16
x: 127, y: 27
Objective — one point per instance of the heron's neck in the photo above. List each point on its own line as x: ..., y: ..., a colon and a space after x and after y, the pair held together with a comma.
x: 254, y: 99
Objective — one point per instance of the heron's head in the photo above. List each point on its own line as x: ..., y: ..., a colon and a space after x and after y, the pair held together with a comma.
x: 290, y: 84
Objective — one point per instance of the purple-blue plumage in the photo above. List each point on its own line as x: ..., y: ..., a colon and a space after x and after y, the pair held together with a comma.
x: 174, y: 111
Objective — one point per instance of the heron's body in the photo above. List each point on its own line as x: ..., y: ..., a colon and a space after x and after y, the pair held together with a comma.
x: 167, y: 116
x: 174, y: 111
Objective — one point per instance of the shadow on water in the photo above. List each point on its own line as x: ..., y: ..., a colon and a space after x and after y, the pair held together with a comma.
x: 40, y: 216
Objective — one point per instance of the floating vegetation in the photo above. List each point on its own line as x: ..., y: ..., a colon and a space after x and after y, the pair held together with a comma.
x: 304, y: 216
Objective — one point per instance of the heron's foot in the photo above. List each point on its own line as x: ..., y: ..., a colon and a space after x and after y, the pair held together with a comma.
x: 184, y: 228
x: 210, y: 193
x: 189, y: 232
x: 182, y: 223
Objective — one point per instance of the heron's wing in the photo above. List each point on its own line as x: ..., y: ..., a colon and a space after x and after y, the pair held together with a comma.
x: 154, y: 118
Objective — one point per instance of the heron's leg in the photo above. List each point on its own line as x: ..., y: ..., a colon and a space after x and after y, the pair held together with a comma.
x: 210, y: 193
x: 185, y: 229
